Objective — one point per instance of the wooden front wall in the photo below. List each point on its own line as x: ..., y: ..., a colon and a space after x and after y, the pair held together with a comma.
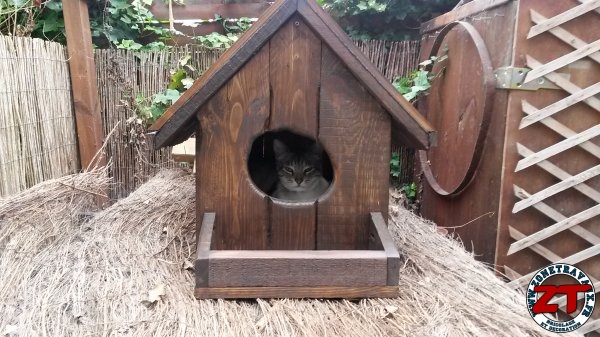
x: 293, y: 82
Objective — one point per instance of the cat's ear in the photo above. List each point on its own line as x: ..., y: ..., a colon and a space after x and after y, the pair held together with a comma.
x: 317, y: 149
x: 279, y: 148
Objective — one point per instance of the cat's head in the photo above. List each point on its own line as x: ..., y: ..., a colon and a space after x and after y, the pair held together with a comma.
x: 298, y: 172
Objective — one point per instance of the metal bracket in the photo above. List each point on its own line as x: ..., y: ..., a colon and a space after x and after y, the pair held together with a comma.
x: 511, y: 78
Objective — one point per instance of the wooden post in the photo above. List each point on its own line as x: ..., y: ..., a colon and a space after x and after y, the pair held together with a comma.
x: 83, y: 83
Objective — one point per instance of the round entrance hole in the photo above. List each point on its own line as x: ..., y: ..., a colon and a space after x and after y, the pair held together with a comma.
x: 289, y: 166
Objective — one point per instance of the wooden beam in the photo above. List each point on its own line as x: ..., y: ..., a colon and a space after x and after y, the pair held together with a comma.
x: 205, y: 11
x: 557, y: 148
x: 203, y: 249
x: 563, y: 61
x: 564, y: 35
x: 296, y: 268
x: 84, y: 84
x: 561, y: 129
x: 560, y: 105
x: 563, y: 83
x: 556, y: 188
x: 393, y: 257
x: 464, y: 11
x: 563, y: 17
x: 558, y: 217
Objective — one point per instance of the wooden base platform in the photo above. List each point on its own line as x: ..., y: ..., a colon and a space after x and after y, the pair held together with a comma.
x: 298, y: 292
x: 298, y: 273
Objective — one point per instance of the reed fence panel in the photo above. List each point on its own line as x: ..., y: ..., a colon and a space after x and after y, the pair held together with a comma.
x: 37, y: 129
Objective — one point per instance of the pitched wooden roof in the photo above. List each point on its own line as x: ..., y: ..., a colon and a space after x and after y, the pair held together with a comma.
x: 180, y: 121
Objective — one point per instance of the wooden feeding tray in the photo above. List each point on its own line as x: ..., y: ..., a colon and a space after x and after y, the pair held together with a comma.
x: 298, y: 273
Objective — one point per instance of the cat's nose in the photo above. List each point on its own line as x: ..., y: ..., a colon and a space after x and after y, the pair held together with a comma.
x: 298, y: 180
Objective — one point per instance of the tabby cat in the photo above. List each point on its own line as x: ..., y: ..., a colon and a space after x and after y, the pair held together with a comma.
x: 300, y: 176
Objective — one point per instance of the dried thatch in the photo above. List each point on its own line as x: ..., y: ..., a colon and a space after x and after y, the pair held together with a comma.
x: 123, y: 272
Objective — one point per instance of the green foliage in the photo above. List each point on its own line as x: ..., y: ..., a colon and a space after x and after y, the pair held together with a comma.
x: 385, y: 19
x: 216, y: 40
x: 410, y: 191
x: 126, y: 24
x: 233, y: 28
x: 395, y: 165
x: 417, y: 83
x: 182, y: 78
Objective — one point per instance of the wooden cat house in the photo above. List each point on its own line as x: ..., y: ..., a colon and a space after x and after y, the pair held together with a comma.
x: 294, y: 74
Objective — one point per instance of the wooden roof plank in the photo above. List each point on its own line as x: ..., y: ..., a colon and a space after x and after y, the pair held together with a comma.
x: 421, y: 133
x: 179, y: 121
x: 183, y: 111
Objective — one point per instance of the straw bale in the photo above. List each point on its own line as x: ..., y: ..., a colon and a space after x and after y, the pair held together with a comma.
x: 125, y: 272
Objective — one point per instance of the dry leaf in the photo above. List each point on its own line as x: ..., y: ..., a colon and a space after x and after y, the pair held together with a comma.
x: 262, y: 323
x: 10, y: 330
x: 154, y: 295
x: 188, y: 265
x: 388, y: 311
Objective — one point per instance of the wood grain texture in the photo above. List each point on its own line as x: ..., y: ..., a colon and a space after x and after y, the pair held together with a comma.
x: 563, y: 61
x: 393, y: 257
x: 229, y: 123
x: 462, y: 12
x: 171, y: 124
x: 203, y: 249
x: 417, y: 132
x: 546, y: 133
x: 298, y: 292
x: 461, y: 119
x: 355, y: 130
x: 207, y: 10
x: 295, y: 67
x: 563, y: 17
x: 293, y: 225
x: 475, y: 219
x: 564, y: 35
x: 301, y: 268
x: 84, y: 84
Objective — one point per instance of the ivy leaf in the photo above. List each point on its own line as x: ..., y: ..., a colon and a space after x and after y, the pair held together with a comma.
x: 184, y: 60
x: 167, y: 97
x: 409, y: 96
x: 53, y: 5
x: 157, y: 110
x: 422, y: 79
x: 176, y: 78
x: 119, y: 4
x: 187, y: 82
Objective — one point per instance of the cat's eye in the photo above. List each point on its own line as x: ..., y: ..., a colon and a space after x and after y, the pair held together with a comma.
x: 309, y: 170
x: 288, y: 170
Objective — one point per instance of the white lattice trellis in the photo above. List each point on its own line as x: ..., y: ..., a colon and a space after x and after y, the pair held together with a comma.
x: 571, y: 139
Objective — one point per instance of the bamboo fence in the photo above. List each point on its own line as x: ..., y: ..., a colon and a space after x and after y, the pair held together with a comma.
x: 37, y: 129
x: 124, y: 75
